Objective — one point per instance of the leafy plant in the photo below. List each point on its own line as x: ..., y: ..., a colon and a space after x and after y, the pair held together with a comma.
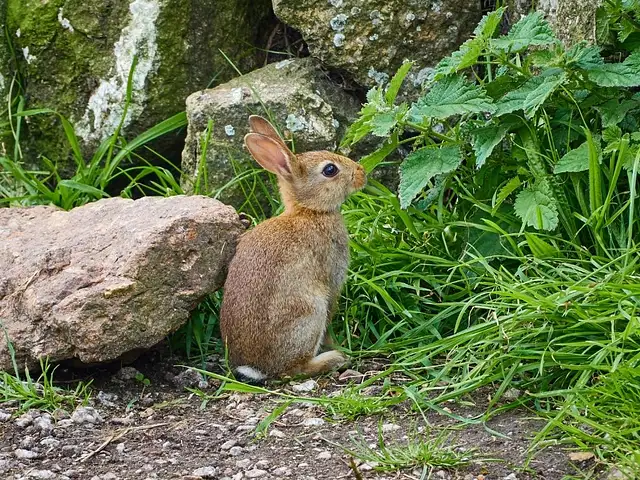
x: 539, y: 123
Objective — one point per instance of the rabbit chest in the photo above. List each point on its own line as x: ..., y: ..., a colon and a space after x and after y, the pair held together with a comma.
x: 337, y: 258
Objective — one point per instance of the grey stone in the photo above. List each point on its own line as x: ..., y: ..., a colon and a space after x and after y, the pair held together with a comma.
x: 305, y: 387
x: 313, y: 422
x: 255, y: 473
x: 572, y: 20
x: 299, y: 98
x: 76, y: 55
x: 205, y: 472
x: 43, y: 474
x: 83, y: 415
x: 23, y: 454
x: 110, y: 277
x: 371, y: 38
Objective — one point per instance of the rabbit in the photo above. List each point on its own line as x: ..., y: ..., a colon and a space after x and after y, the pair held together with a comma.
x: 283, y: 283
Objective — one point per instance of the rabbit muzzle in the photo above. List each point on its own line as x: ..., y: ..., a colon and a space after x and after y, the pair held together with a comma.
x: 359, y: 179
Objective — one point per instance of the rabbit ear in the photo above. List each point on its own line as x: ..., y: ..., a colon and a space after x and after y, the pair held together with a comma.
x: 262, y: 126
x: 270, y: 153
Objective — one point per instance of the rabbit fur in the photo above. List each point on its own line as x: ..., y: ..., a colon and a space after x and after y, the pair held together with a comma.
x: 284, y: 281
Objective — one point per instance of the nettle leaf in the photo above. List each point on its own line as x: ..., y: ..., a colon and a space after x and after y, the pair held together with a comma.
x: 612, y: 134
x: 396, y: 82
x: 584, y: 56
x: 531, y: 30
x: 530, y: 96
x: 468, y: 53
x: 510, y: 187
x: 372, y: 160
x: 420, y: 167
x: 485, y: 139
x: 451, y: 96
x: 625, y: 74
x: 576, y: 160
x: 535, y: 207
x: 613, y: 112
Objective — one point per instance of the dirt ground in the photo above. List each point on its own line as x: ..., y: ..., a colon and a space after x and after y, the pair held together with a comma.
x: 161, y: 431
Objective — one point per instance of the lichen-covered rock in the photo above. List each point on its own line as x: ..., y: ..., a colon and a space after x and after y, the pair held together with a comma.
x: 75, y: 56
x: 295, y: 94
x: 371, y: 38
x: 107, y: 278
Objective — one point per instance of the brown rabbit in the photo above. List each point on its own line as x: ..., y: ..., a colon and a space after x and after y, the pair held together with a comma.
x: 284, y: 281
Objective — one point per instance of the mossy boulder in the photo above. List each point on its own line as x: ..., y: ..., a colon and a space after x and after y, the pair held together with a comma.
x: 572, y: 20
x: 296, y: 94
x: 371, y: 38
x: 75, y: 57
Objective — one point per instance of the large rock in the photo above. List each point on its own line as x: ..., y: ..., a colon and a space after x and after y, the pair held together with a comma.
x: 75, y: 57
x: 295, y: 94
x: 109, y: 277
x: 572, y: 20
x: 371, y: 38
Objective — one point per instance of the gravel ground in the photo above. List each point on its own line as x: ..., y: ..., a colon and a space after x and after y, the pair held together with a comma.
x: 162, y: 431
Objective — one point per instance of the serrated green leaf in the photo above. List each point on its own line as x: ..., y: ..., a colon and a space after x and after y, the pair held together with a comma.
x: 485, y: 139
x: 627, y: 27
x: 530, y: 30
x: 530, y: 96
x: 613, y: 112
x: 535, y: 207
x: 396, y: 82
x: 576, y: 160
x: 361, y: 127
x: 462, y: 58
x: 451, y: 96
x: 420, y: 166
x: 468, y: 53
x: 488, y: 24
x: 372, y: 160
x: 510, y: 187
x: 625, y: 74
x: 584, y: 56
x: 612, y: 134
x: 382, y: 123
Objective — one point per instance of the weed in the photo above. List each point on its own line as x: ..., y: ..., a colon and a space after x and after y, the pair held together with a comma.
x: 23, y: 391
x: 418, y: 451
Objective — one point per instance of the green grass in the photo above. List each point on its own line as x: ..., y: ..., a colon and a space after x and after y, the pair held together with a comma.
x: 419, y: 451
x: 21, y: 391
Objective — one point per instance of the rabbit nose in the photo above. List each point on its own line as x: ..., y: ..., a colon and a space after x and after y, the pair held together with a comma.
x: 359, y: 178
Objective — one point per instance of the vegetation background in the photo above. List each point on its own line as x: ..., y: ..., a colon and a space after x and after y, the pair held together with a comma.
x: 508, y: 258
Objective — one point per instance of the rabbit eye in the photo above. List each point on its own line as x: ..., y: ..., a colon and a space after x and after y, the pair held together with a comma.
x: 330, y: 170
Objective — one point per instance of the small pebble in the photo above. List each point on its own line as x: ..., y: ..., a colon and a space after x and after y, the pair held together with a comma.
x: 255, y: 473
x: 323, y: 456
x: 313, y: 422
x: 282, y: 472
x: 205, y: 472
x: 235, y: 451
x: 42, y: 474
x: 23, y: 454
x: 49, y: 442
x: 390, y: 427
x: 127, y: 373
x: 83, y: 415
x: 244, y: 463
x: 274, y: 432
x: 308, y: 386
x: 228, y: 444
